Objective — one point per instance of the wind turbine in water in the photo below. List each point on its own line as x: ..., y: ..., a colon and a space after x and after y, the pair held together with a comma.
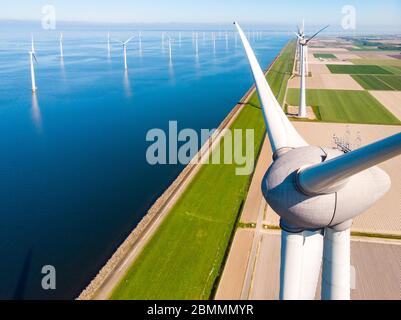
x: 317, y: 192
x: 61, y: 46
x: 108, y: 43
x: 303, y: 54
x: 124, y: 43
x: 32, y: 44
x: 32, y: 57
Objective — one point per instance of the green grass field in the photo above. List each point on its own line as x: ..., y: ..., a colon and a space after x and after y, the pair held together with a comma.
x: 324, y: 56
x: 356, y: 69
x: 371, y: 82
x: 377, y: 62
x: 345, y: 106
x: 379, y: 82
x: 184, y: 258
x: 392, y: 81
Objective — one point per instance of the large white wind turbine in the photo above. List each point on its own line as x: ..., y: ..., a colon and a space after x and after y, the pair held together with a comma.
x: 31, y: 58
x: 303, y: 47
x: 61, y: 46
x: 316, y: 191
x: 124, y: 43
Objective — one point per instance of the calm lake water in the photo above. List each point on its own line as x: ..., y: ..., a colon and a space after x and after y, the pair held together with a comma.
x: 74, y: 180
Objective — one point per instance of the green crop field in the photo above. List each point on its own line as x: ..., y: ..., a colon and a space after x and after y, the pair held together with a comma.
x: 357, y: 69
x: 392, y: 81
x: 184, y: 258
x: 345, y: 106
x: 378, y: 62
x: 393, y: 69
x: 371, y: 82
x: 324, y: 55
x: 379, y: 82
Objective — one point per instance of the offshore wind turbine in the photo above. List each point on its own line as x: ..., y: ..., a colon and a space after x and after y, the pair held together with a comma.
x: 32, y: 44
x: 33, y: 80
x: 124, y: 43
x: 61, y: 46
x: 317, y: 192
x: 108, y: 44
x: 303, y: 47
x: 196, y: 45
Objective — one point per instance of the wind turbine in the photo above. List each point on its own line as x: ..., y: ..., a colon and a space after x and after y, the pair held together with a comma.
x: 32, y: 44
x: 31, y: 58
x: 316, y: 191
x: 170, y: 50
x: 303, y: 47
x: 125, y: 51
x: 196, y: 45
x: 108, y: 43
x: 61, y: 46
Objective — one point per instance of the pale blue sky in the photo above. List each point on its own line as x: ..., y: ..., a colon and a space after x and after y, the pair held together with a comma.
x: 369, y: 12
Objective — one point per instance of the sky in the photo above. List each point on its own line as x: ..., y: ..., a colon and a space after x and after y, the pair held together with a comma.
x: 368, y: 12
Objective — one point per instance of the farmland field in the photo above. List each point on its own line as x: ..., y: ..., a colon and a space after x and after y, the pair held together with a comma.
x: 392, y: 81
x: 378, y: 62
x: 357, y: 69
x: 345, y: 106
x: 371, y: 82
x: 324, y: 55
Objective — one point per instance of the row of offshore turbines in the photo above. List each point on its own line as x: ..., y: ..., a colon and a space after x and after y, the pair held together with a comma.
x: 214, y: 37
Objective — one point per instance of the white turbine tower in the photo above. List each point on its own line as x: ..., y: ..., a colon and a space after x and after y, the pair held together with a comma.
x: 31, y: 58
x: 196, y: 45
x: 302, y: 47
x: 61, y: 46
x: 32, y: 44
x: 317, y: 192
x: 124, y: 43
x: 170, y: 50
x: 108, y: 43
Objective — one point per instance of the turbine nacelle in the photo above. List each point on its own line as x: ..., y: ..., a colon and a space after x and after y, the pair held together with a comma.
x: 335, y: 208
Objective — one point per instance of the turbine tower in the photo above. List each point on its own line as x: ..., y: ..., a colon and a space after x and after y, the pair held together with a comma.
x: 32, y: 44
x: 108, y: 43
x: 124, y: 43
x: 31, y: 58
x: 303, y: 47
x: 316, y: 191
x: 61, y: 46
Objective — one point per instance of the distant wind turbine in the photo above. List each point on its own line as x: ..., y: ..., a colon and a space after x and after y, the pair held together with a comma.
x: 108, y: 43
x: 317, y: 192
x: 303, y: 47
x: 31, y: 58
x: 124, y: 43
x: 32, y: 44
x: 61, y: 46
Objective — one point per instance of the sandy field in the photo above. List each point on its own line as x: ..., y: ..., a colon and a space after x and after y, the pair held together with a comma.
x: 390, y: 99
x: 252, y: 202
x: 232, y: 280
x: 377, y: 270
x: 327, y: 50
x: 327, y: 81
x: 374, y: 55
x: 318, y: 69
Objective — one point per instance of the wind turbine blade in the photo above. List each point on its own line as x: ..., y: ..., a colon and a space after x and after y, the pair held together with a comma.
x: 323, y: 177
x: 128, y: 40
x: 34, y: 57
x: 281, y: 132
x: 317, y: 33
x: 298, y: 36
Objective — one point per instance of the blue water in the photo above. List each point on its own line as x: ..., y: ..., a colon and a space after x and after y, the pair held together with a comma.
x: 74, y: 180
